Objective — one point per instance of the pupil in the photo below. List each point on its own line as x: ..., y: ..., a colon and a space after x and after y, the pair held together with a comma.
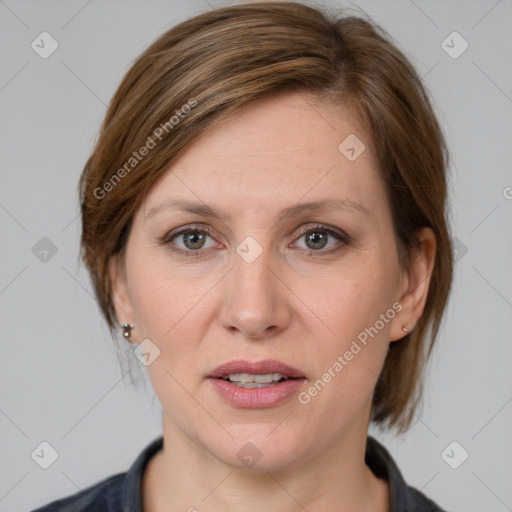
x: 194, y: 238
x: 318, y: 240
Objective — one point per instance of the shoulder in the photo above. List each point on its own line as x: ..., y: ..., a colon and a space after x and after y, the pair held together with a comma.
x: 104, y: 495
x: 121, y: 492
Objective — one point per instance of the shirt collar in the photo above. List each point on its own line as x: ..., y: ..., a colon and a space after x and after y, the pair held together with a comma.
x: 131, y: 491
x: 379, y: 460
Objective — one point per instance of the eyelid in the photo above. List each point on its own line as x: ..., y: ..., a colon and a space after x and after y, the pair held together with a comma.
x: 183, y: 229
x: 341, y: 235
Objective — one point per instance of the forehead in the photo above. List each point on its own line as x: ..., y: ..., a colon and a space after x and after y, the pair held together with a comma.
x: 272, y: 153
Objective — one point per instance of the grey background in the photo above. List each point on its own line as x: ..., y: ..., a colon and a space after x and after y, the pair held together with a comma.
x: 61, y: 381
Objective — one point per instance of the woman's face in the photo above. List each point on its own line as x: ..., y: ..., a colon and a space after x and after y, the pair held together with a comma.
x: 270, y: 279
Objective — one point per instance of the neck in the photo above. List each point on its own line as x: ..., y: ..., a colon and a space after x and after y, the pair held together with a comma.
x: 185, y: 477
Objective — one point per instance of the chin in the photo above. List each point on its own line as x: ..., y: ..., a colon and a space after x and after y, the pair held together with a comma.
x: 252, y: 448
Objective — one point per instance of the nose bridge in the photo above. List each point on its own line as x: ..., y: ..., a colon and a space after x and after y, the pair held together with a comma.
x: 254, y: 304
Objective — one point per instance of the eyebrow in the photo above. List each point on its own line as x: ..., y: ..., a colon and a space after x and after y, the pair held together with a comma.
x: 293, y: 211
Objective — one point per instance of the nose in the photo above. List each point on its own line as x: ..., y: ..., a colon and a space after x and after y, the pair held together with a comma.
x: 255, y: 303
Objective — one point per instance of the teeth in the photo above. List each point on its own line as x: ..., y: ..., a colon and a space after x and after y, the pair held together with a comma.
x: 248, y: 380
x: 263, y: 378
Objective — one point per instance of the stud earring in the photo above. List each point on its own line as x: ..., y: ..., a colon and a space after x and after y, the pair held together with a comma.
x: 405, y: 329
x: 127, y: 330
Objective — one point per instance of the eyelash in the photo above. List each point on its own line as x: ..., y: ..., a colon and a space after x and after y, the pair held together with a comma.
x: 342, y: 237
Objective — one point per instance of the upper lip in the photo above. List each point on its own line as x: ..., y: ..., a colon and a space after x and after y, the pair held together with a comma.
x: 256, y: 368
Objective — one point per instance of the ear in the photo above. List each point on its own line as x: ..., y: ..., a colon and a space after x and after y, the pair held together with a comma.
x: 415, y: 284
x: 120, y: 291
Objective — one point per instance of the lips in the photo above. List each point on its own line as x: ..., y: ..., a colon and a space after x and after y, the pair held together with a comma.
x: 237, y: 384
x: 256, y: 368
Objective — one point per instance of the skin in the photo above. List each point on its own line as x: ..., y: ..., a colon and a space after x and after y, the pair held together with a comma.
x: 292, y: 304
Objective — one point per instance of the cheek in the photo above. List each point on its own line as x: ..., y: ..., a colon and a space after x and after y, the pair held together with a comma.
x: 348, y: 362
x: 170, y: 303
x: 355, y: 306
x: 350, y: 298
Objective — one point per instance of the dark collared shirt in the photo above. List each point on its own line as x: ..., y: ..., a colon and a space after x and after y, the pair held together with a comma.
x: 123, y: 492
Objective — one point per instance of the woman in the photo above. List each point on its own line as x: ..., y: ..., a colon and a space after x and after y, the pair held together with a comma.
x: 264, y: 217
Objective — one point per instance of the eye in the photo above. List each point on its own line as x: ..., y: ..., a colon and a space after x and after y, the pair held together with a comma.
x: 320, y: 237
x: 190, y: 240
x: 193, y: 241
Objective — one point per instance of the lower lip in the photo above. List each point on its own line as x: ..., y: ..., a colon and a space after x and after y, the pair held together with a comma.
x: 257, y: 398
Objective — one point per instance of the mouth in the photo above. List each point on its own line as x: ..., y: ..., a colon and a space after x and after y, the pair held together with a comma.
x: 256, y: 385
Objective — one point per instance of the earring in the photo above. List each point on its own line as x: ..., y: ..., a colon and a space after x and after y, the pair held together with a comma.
x: 127, y: 330
x: 405, y: 329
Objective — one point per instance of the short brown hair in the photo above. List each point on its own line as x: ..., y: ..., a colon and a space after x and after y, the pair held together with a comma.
x: 222, y: 60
